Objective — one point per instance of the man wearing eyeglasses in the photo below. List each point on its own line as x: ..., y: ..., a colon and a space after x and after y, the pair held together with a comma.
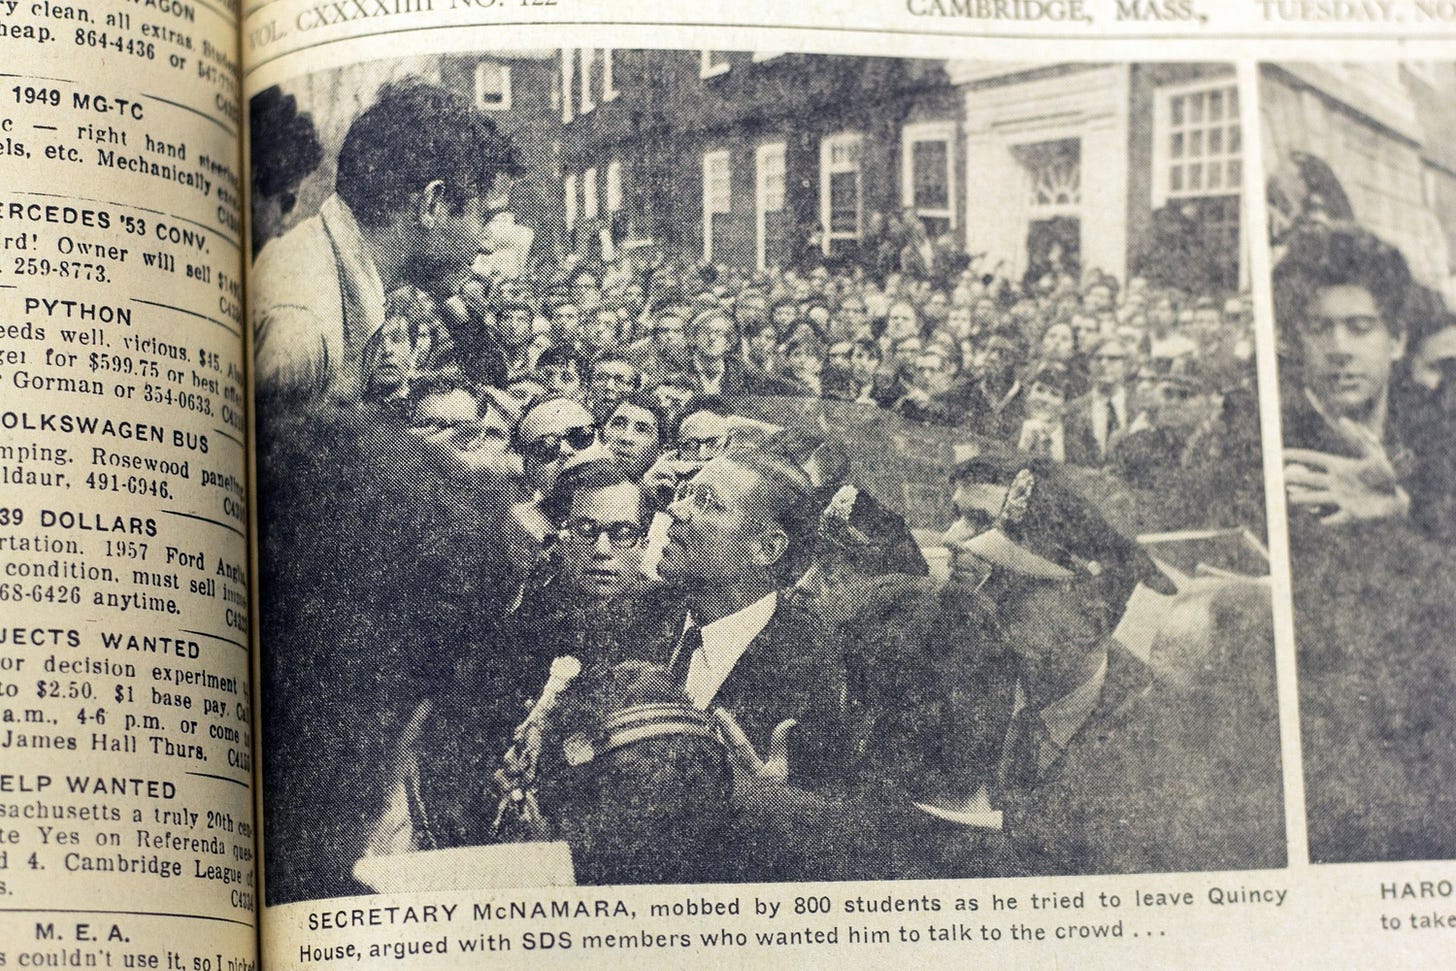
x: 613, y: 378
x: 737, y: 535
x: 1097, y: 421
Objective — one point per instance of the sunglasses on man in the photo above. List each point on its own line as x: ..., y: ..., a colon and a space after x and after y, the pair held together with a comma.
x: 547, y: 448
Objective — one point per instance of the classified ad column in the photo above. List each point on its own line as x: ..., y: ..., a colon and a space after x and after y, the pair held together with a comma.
x: 126, y: 807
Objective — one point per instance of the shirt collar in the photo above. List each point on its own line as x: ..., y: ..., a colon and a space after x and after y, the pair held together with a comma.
x: 1375, y: 425
x: 725, y: 639
x: 365, y: 291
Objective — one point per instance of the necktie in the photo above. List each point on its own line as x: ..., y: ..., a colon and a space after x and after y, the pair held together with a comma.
x: 1021, y: 758
x: 691, y: 644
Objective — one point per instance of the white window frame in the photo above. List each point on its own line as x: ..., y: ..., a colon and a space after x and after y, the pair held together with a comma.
x: 1163, y: 131
x: 762, y: 156
x: 589, y: 207
x: 708, y: 69
x: 505, y: 73
x: 567, y: 60
x: 828, y: 168
x: 588, y: 57
x: 609, y: 83
x: 918, y: 133
x: 568, y: 194
x: 711, y: 160
x: 614, y: 186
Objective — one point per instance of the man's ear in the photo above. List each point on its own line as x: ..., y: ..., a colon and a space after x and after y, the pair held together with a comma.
x: 771, y: 547
x: 432, y: 206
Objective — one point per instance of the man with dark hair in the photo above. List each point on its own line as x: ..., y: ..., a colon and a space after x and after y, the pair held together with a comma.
x: 713, y: 342
x: 1339, y: 293
x: 634, y: 432
x: 514, y: 322
x: 613, y: 378
x: 283, y: 151
x: 1366, y: 457
x: 406, y: 210
x: 559, y: 371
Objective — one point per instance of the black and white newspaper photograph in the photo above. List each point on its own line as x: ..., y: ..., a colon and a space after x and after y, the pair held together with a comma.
x: 718, y: 466
x: 1361, y: 176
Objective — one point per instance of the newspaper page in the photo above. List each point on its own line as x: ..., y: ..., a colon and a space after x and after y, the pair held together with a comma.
x: 126, y: 785
x: 901, y: 484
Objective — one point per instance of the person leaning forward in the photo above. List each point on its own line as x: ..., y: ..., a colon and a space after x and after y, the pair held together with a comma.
x: 405, y: 211
x: 1071, y: 720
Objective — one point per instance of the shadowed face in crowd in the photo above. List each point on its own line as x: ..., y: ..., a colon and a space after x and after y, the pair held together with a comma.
x: 566, y: 324
x: 611, y: 381
x: 1348, y: 350
x: 667, y: 331
x: 712, y: 338
x: 560, y: 378
x: 902, y: 323
x: 1058, y: 344
x: 516, y: 326
x: 1110, y: 364
x: 391, y: 355
x: 602, y: 541
x: 551, y: 433
x: 863, y: 364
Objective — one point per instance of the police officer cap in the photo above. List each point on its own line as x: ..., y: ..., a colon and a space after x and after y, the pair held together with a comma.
x: 988, y: 462
x: 1048, y: 532
x: 874, y: 537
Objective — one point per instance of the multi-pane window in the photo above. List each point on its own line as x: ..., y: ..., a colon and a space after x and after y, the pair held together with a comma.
x: 928, y: 176
x: 492, y: 86
x: 717, y: 195
x: 1198, y: 165
x: 1199, y: 142
x: 840, y: 187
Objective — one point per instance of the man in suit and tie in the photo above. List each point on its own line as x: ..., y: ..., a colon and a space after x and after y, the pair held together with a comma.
x: 1073, y: 719
x: 738, y: 534
x: 1096, y: 421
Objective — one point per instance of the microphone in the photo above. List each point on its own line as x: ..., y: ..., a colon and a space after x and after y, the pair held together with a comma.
x: 564, y: 670
x: 516, y: 777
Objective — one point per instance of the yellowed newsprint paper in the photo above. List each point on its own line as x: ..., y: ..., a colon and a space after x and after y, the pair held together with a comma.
x: 489, y: 483
x: 127, y: 828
